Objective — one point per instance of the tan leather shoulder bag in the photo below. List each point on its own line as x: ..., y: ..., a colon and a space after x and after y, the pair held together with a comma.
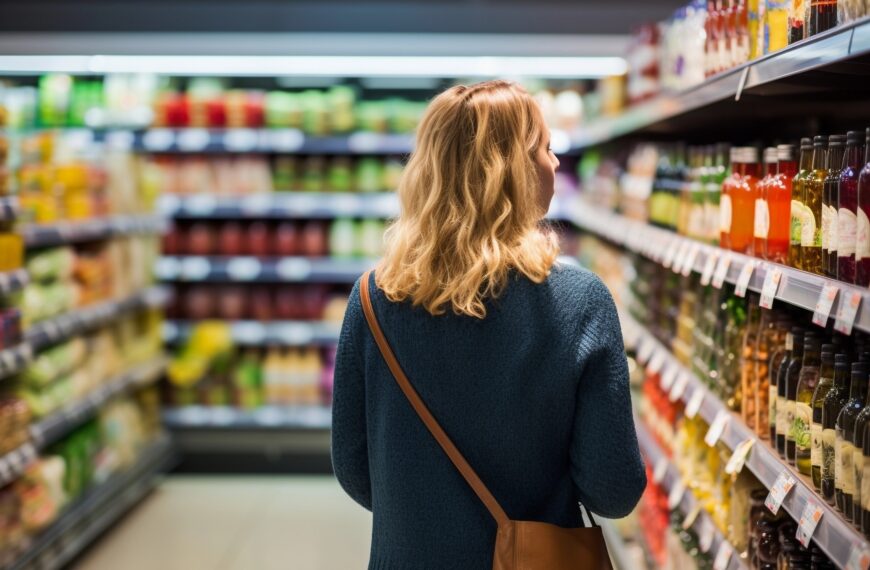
x: 519, y: 545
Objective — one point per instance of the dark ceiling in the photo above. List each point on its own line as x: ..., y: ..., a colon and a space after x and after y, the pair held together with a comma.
x: 438, y: 16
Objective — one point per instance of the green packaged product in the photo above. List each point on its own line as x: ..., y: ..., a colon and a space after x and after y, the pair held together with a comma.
x: 369, y: 175
x: 340, y: 175
x: 54, y: 362
x: 50, y: 264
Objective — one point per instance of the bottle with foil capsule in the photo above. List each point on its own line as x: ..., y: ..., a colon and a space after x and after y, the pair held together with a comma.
x: 762, y: 207
x: 862, y: 239
x: 847, y: 201
x: 798, y: 209
x: 811, y: 223
x: 830, y: 193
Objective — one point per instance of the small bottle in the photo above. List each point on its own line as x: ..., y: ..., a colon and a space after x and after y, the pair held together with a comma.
x: 826, y: 382
x: 798, y: 209
x: 847, y: 209
x: 803, y: 417
x: 811, y: 224
x: 862, y: 239
x: 830, y: 193
x: 845, y: 439
x: 792, y: 377
x: 762, y: 207
x: 834, y: 401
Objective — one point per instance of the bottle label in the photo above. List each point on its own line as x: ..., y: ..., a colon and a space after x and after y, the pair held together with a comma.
x: 865, y: 484
x: 862, y: 236
x: 771, y: 406
x: 790, y: 412
x: 816, y: 436
x: 725, y: 214
x: 844, y: 477
x: 762, y: 219
x: 847, y: 223
x: 858, y: 470
x: 809, y: 231
x: 800, y: 426
x: 795, y: 233
x: 826, y: 227
x: 781, y: 420
x: 833, y: 230
x: 829, y: 456
x: 696, y: 222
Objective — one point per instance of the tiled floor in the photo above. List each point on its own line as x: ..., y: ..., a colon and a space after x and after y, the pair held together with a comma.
x: 238, y: 523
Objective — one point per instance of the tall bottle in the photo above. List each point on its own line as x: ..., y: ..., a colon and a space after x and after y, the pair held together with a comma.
x: 826, y: 382
x: 796, y: 21
x: 847, y: 211
x: 860, y: 514
x: 777, y: 194
x: 798, y: 209
x: 726, y: 202
x: 803, y: 417
x: 862, y: 240
x: 698, y: 199
x: 713, y: 190
x: 830, y: 194
x: 762, y: 207
x: 845, y: 434
x: 782, y: 423
x: 822, y: 16
x: 834, y: 401
x: 743, y: 195
x: 811, y: 224
x: 778, y: 354
x: 791, y: 385
x: 749, y: 358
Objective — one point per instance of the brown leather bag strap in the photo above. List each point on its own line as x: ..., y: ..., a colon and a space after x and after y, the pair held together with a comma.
x: 428, y: 419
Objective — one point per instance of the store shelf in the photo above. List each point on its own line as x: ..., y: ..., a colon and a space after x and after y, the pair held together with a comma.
x: 274, y: 270
x: 266, y: 417
x: 58, y: 424
x: 97, y: 509
x: 654, y: 455
x: 8, y: 208
x: 796, y: 287
x: 281, y: 205
x: 241, y: 140
x: 255, y: 333
x: 13, y: 360
x: 834, y: 535
x: 826, y: 49
x: 11, y: 281
x: 62, y: 233
x: 616, y: 545
x: 51, y: 331
x: 15, y: 462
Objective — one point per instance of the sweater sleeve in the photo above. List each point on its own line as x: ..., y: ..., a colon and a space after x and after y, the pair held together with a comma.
x: 605, y: 460
x: 350, y: 459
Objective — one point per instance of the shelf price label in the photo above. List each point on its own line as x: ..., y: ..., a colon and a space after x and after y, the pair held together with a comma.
x: 645, y: 350
x: 193, y: 140
x: 671, y: 252
x: 706, y: 534
x: 157, y: 140
x: 744, y: 278
x: 824, y: 304
x: 200, y: 205
x: 810, y: 518
x: 286, y: 140
x: 680, y: 257
x: 293, y: 269
x: 656, y: 362
x: 679, y: 387
x: 195, y: 268
x: 779, y: 491
x: 859, y: 557
x: 738, y: 458
x: 660, y: 470
x: 722, y: 270
x: 717, y: 428
x: 240, y: 140
x: 695, y: 402
x: 692, y: 516
x: 692, y: 256
x: 770, y: 287
x: 668, y: 377
x: 849, y: 304
x: 723, y: 556
x: 709, y: 267
x: 675, y: 497
x: 244, y: 268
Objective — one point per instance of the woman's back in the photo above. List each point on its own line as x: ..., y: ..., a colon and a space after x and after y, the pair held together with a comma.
x: 535, y: 395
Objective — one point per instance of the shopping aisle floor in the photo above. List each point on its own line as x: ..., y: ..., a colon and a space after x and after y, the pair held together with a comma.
x: 238, y: 523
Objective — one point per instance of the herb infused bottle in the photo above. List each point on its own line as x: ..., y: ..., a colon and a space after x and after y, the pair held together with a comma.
x: 792, y: 378
x: 803, y: 417
x: 798, y: 209
x: 836, y: 398
x: 811, y: 223
x: 826, y: 382
x: 782, y: 424
x: 845, y: 434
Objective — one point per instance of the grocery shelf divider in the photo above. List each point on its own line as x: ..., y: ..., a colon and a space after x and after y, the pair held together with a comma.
x: 261, y: 269
x: 11, y: 281
x: 834, y: 535
x: 13, y: 360
x: 57, y: 329
x: 255, y: 333
x: 264, y: 417
x: 654, y: 454
x: 827, y: 48
x: 796, y: 287
x: 281, y: 205
x: 62, y: 233
x: 93, y: 513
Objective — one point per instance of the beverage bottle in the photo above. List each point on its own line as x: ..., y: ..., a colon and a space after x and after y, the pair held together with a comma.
x: 803, y: 417
x: 743, y: 198
x: 822, y: 16
x: 796, y: 23
x: 798, y: 208
x: 778, y: 191
x: 762, y: 207
x: 754, y: 326
x: 861, y: 499
x: 862, y: 239
x: 845, y: 439
x: 778, y: 354
x: 726, y: 202
x: 811, y: 223
x: 697, y: 191
x: 792, y: 378
x: 834, y: 401
x: 713, y: 191
x: 847, y: 210
x: 782, y: 425
x: 830, y: 194
x: 826, y: 382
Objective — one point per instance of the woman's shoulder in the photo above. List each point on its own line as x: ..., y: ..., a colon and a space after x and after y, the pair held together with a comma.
x: 572, y: 280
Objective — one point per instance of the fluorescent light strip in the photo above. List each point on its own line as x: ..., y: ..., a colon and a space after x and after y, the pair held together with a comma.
x: 318, y: 66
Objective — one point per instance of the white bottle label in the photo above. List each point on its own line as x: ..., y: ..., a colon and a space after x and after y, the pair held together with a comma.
x: 826, y: 227
x: 845, y: 475
x: 816, y: 436
x: 725, y: 214
x: 808, y: 228
x: 782, y: 424
x: 762, y: 219
x: 833, y: 230
x: 862, y: 237
x: 847, y: 223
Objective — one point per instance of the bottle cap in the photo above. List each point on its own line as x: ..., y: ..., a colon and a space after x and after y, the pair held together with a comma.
x: 807, y: 143
x: 771, y: 155
x: 837, y: 140
x: 750, y: 155
x: 860, y: 368
x: 785, y: 152
x: 820, y: 140
x: 854, y: 137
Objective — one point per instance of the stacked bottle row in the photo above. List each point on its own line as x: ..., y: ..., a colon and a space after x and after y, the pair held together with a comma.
x: 735, y: 503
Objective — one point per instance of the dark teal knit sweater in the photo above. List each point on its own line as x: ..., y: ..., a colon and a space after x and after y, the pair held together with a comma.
x: 535, y: 396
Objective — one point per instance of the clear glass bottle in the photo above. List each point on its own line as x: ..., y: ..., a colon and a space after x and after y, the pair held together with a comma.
x: 803, y: 417
x: 830, y: 194
x: 834, y: 401
x: 762, y: 207
x: 847, y: 206
x: 798, y: 209
x: 811, y: 224
x: 792, y: 377
x: 826, y: 382
x: 778, y: 355
x: 845, y: 434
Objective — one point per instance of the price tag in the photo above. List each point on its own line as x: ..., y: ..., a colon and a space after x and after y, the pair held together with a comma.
x: 195, y: 268
x: 692, y: 516
x: 295, y: 334
x: 365, y: 142
x: 770, y: 287
x: 256, y: 204
x: 675, y: 497
x: 679, y: 387
x: 723, y: 557
x: 158, y: 140
x: 645, y: 350
x: 680, y: 258
x: 200, y: 205
x: 167, y: 268
x: 738, y: 458
x: 717, y: 428
x: 859, y: 557
x: 668, y: 377
x: 779, y: 491
x: 721, y: 272
x: 286, y: 140
x: 240, y: 140
x: 849, y: 304
x: 706, y: 534
x: 743, y: 280
x: 671, y: 252
x: 694, y: 404
x: 345, y: 204
x: 660, y: 470
x: 810, y: 518
x: 656, y: 362
x: 244, y: 268
x: 193, y: 140
x: 293, y: 269
x: 824, y: 304
x: 689, y: 264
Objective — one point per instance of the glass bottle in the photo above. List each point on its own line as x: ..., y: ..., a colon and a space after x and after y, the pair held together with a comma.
x: 777, y: 192
x: 762, y: 208
x: 834, y: 401
x: 803, y: 417
x: 847, y: 206
x: 749, y: 357
x: 859, y: 514
x: 862, y: 239
x: 811, y: 224
x: 845, y: 438
x: 823, y: 16
x: 776, y: 24
x: 743, y: 196
x: 713, y: 191
x: 697, y: 212
x: 782, y: 424
x: 792, y: 376
x: 778, y: 355
x: 830, y: 194
x: 796, y: 23
x: 726, y: 202
x: 798, y: 209
x: 826, y: 382
x: 865, y: 481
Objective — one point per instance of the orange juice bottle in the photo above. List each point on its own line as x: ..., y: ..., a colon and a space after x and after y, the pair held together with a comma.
x: 744, y: 190
x: 762, y: 207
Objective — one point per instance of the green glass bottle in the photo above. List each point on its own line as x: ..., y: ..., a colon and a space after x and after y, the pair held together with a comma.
x: 833, y: 403
x: 826, y: 382
x: 781, y: 384
x: 812, y: 192
x: 803, y: 417
x: 844, y: 451
x: 791, y: 386
x: 862, y: 488
x: 798, y: 209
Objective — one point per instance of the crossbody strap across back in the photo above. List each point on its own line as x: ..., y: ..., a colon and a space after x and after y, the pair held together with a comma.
x: 420, y: 407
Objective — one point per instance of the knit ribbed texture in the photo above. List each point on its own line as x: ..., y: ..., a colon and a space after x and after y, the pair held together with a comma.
x: 535, y: 396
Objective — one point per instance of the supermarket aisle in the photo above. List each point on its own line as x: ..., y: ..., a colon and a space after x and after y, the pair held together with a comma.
x: 229, y: 523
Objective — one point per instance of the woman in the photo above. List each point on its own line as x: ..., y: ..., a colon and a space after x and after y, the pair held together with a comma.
x: 519, y: 359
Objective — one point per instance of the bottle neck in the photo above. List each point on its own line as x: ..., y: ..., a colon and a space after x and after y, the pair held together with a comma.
x: 854, y: 156
x: 806, y: 159
x: 819, y: 154
x: 858, y: 391
x: 841, y: 379
x: 750, y: 169
x: 835, y: 158
x: 787, y: 168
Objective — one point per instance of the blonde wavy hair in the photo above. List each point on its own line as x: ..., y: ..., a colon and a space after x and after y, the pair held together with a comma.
x: 470, y: 208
